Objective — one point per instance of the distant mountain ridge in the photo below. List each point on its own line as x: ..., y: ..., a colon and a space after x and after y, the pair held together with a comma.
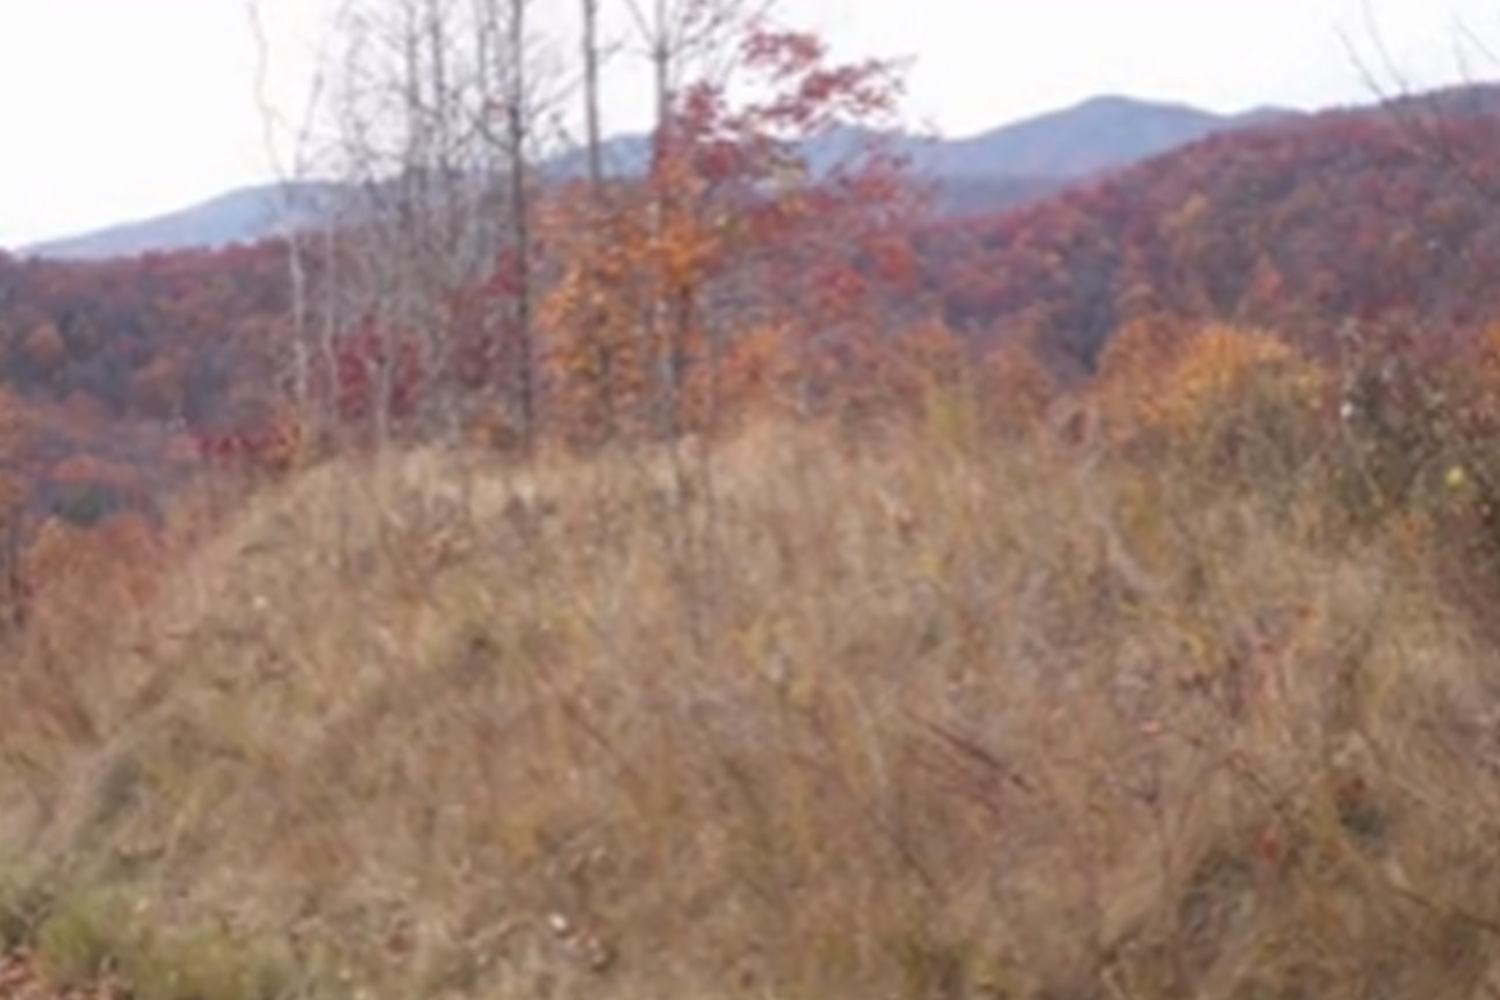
x: 245, y: 215
x: 1100, y: 134
x: 998, y: 169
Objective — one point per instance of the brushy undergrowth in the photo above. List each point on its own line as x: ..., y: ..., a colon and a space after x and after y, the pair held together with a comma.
x: 921, y: 716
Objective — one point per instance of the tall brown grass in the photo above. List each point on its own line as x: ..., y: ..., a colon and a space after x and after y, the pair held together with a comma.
x: 917, y: 716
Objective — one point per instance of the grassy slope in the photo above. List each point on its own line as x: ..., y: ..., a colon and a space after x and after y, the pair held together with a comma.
x: 924, y: 718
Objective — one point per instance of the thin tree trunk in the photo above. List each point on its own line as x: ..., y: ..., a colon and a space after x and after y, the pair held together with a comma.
x: 661, y: 61
x: 592, y: 121
x: 521, y: 218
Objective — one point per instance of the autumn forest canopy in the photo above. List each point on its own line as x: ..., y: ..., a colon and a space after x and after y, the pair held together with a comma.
x: 729, y: 279
x: 767, y: 569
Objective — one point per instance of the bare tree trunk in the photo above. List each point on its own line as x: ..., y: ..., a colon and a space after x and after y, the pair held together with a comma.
x: 297, y: 272
x: 661, y: 61
x: 519, y: 122
x: 593, y: 123
x: 594, y: 138
x: 661, y: 64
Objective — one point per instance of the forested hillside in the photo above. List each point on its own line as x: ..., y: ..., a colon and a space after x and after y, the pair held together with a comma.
x: 1376, y: 215
x: 118, y: 379
x: 175, y: 337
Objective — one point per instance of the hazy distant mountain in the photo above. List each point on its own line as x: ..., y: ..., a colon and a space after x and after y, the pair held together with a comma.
x: 1014, y: 163
x: 1098, y: 135
x: 999, y: 169
x: 243, y: 216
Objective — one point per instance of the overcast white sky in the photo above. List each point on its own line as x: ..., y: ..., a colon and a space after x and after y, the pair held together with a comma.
x: 112, y: 110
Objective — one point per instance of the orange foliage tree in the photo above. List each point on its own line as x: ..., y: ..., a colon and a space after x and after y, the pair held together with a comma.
x: 1226, y: 397
x: 677, y: 293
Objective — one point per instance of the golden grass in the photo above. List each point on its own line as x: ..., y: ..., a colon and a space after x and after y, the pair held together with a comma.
x: 796, y: 717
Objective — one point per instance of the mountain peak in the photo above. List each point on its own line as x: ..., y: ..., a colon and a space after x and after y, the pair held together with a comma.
x: 1124, y: 102
x: 1100, y: 134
